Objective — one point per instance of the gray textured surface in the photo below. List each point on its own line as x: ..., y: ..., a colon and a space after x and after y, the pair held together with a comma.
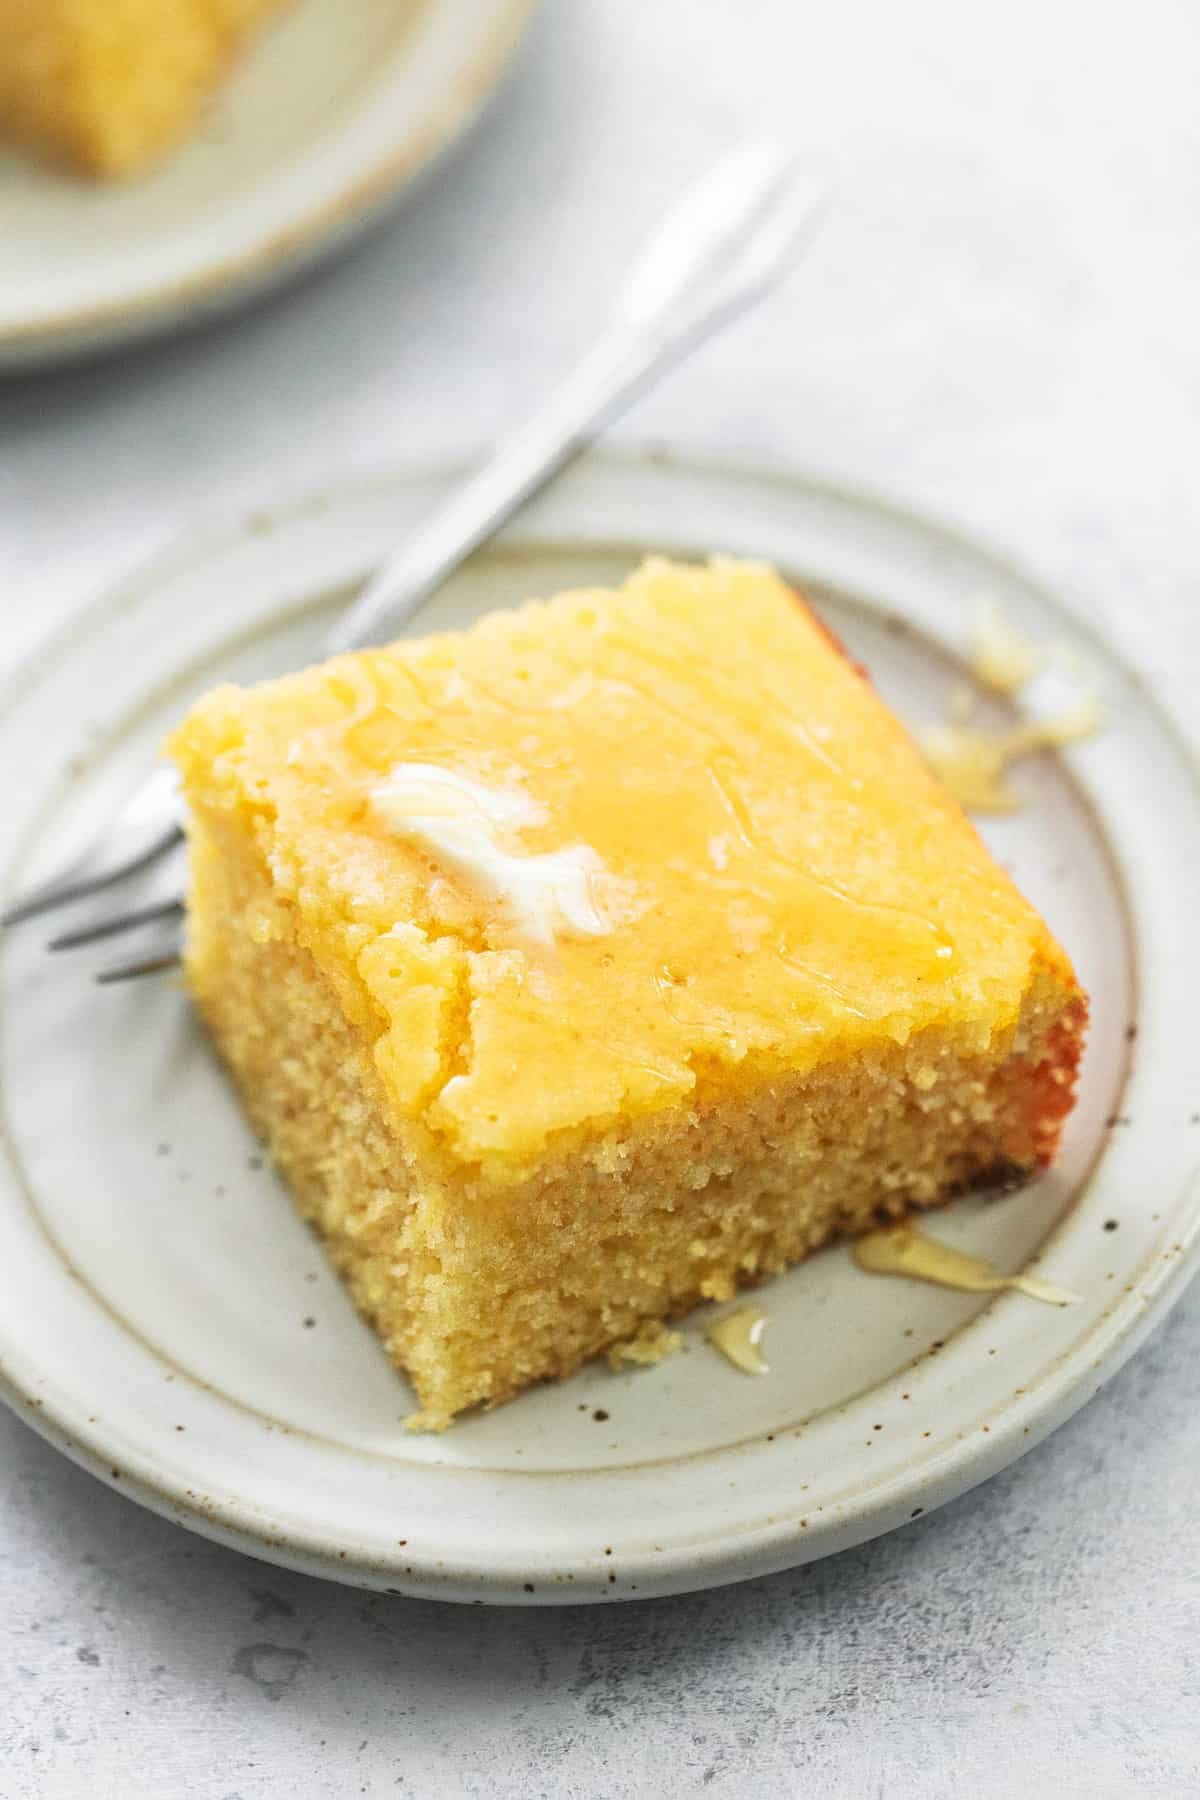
x: 999, y: 326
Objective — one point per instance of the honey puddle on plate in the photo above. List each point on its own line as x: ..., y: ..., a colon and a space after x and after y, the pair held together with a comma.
x: 901, y: 1250
x: 738, y: 1336
x: 974, y: 763
x: 1001, y: 657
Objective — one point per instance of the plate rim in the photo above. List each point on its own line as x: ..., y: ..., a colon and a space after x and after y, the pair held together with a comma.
x: 1063, y: 1388
x: 63, y: 334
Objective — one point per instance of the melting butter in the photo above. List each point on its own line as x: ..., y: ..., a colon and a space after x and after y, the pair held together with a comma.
x: 469, y: 827
x: 901, y: 1250
x: 738, y: 1336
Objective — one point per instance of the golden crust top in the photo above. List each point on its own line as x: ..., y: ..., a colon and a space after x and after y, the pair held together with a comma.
x: 781, y: 880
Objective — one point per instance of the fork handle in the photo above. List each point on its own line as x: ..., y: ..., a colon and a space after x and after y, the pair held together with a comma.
x: 583, y: 403
x: 717, y: 253
x: 621, y: 366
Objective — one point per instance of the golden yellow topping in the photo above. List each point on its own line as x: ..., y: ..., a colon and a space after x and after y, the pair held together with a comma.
x: 774, y: 875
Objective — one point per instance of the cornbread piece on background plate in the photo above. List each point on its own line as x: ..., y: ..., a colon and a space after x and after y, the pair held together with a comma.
x: 106, y: 84
x: 597, y: 960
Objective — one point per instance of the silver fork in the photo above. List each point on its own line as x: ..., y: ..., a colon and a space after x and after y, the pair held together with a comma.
x: 721, y: 248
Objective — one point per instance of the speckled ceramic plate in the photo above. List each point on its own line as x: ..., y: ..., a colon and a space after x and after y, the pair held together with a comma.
x: 168, y: 1322
x: 331, y: 113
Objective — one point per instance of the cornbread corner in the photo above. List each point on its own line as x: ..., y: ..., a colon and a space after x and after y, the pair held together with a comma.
x: 107, y: 84
x: 601, y: 959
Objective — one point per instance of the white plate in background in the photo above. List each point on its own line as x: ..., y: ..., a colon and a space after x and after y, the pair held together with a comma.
x: 167, y: 1320
x: 331, y: 112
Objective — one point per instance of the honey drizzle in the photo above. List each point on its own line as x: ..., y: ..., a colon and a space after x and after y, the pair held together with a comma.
x: 1001, y: 658
x: 973, y: 763
x: 738, y: 813
x: 902, y: 1250
x: 721, y: 768
x: 746, y: 703
x: 738, y: 1336
x: 822, y: 980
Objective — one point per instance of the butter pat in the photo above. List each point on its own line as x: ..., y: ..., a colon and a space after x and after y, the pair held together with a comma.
x: 469, y: 828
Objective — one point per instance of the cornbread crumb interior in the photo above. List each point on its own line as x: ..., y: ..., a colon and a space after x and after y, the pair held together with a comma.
x: 106, y: 84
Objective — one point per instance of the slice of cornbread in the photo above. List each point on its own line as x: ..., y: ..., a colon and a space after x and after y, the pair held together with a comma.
x: 105, y: 84
x: 594, y: 961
